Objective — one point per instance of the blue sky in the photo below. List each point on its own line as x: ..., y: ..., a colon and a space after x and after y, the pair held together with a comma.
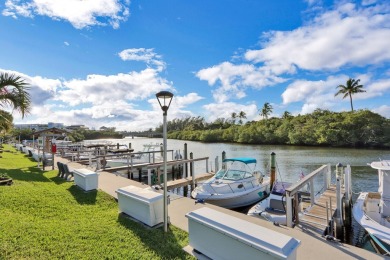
x: 100, y: 63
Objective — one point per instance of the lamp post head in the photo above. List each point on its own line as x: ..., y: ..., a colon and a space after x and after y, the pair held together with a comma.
x: 164, y: 99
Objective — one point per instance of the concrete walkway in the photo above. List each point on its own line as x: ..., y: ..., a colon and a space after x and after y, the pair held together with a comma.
x: 313, y: 246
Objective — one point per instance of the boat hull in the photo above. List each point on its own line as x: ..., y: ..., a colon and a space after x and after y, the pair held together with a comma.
x: 364, y: 212
x: 234, y: 200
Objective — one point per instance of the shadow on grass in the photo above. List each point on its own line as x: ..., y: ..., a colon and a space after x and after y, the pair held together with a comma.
x: 28, y: 174
x: 58, y: 180
x: 165, y: 245
x: 81, y: 196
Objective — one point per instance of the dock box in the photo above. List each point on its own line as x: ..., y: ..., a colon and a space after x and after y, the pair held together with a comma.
x: 86, y: 179
x: 221, y: 236
x: 144, y: 205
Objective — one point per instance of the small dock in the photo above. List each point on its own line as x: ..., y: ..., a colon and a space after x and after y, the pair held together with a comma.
x: 328, y: 213
x: 318, y: 215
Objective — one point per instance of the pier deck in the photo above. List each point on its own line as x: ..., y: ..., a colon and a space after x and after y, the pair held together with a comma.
x: 313, y: 246
x: 316, y: 216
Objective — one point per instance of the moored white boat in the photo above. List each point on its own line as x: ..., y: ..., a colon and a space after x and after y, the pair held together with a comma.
x: 372, y: 209
x: 237, y: 185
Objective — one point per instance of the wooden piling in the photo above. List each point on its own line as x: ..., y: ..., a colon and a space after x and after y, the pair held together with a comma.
x: 192, y: 172
x: 185, y: 170
x: 273, y: 170
x: 223, y: 158
x: 173, y: 172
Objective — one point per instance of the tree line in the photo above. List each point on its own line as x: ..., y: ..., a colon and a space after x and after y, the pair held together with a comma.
x: 361, y: 128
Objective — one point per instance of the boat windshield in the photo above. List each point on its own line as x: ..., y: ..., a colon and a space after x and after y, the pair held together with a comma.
x: 220, y: 174
x: 236, y: 171
x: 279, y: 188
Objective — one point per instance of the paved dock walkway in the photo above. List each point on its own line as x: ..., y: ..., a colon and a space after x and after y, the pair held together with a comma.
x: 313, y: 246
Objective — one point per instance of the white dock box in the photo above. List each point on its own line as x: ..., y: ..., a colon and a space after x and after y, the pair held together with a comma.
x: 86, y: 179
x: 221, y: 236
x: 144, y: 205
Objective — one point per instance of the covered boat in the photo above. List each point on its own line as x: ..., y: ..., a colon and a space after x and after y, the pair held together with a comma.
x: 372, y: 209
x: 273, y: 208
x: 237, y: 184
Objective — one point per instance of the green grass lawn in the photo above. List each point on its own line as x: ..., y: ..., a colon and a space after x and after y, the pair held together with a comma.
x: 44, y: 217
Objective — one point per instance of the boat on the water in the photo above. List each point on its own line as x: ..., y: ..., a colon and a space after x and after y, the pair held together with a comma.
x: 273, y: 208
x: 372, y: 209
x: 236, y: 185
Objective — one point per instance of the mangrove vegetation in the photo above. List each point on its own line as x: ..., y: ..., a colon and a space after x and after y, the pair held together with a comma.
x: 362, y: 128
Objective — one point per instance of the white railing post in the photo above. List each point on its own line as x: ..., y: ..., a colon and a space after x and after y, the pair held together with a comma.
x: 289, y: 211
x: 193, y: 175
x: 339, y: 202
x: 207, y: 165
x: 97, y: 163
x: 347, y: 174
x: 150, y: 177
x: 216, y: 164
x: 312, y: 195
x: 328, y: 176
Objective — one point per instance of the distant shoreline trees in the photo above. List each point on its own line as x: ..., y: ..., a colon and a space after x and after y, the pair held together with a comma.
x: 361, y: 128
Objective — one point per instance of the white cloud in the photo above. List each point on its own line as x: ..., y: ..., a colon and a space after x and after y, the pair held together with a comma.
x: 377, y: 88
x: 347, y: 36
x: 99, y: 100
x: 314, y: 94
x: 234, y: 79
x: 225, y: 110
x: 67, y: 43
x: 341, y: 37
x: 383, y: 110
x: 80, y: 14
x: 142, y: 54
x: 320, y: 94
x: 101, y: 89
x: 186, y: 100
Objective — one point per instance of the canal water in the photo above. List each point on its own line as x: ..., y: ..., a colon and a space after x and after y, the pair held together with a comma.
x: 291, y: 161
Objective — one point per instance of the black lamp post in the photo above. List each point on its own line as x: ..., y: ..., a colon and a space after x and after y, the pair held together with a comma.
x: 164, y: 99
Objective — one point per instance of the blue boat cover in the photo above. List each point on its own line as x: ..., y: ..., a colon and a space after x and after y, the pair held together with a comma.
x: 245, y: 160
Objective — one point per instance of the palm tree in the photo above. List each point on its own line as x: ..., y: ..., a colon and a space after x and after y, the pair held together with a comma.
x: 13, y: 91
x: 234, y: 116
x: 5, y: 121
x: 286, y: 115
x: 241, y: 115
x: 266, y: 110
x: 352, y: 87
